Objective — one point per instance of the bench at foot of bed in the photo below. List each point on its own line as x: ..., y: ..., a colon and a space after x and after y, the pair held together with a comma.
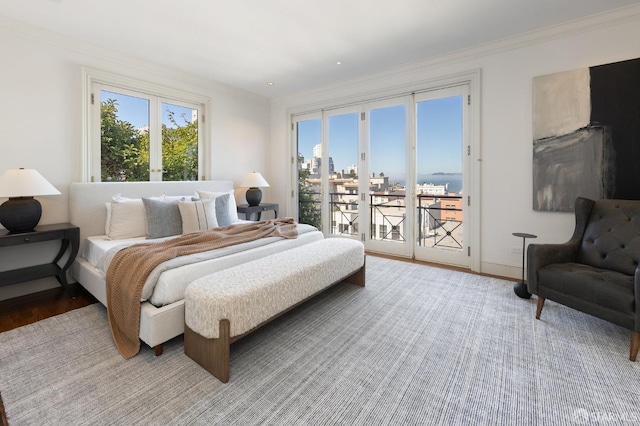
x: 223, y: 307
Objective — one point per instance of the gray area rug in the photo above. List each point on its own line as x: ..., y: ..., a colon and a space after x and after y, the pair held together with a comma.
x: 419, y: 345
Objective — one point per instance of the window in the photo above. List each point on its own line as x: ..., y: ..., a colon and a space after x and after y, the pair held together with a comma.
x: 137, y: 131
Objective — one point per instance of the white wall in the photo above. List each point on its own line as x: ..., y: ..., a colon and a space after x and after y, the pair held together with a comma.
x: 41, y: 116
x: 507, y: 69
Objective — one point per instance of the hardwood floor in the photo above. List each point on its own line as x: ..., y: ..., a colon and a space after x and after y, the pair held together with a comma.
x: 34, y: 307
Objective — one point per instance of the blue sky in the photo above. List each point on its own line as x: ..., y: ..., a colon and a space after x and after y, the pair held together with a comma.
x: 439, y: 138
x: 136, y: 110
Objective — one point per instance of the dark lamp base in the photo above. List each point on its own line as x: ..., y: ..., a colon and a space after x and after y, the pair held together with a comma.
x: 254, y: 196
x: 20, y: 214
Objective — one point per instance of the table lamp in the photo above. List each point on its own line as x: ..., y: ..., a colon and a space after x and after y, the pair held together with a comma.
x: 21, y: 213
x: 254, y: 181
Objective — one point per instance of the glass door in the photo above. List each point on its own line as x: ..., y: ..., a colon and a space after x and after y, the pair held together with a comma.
x: 440, y: 162
x: 391, y: 173
x: 343, y: 172
x: 388, y: 213
x: 308, y: 138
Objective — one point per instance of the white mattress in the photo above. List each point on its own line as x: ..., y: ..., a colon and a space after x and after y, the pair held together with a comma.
x: 168, y: 281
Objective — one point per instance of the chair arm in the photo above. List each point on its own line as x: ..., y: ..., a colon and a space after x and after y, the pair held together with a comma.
x: 540, y: 255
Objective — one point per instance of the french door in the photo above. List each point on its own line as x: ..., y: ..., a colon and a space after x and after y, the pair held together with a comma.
x: 441, y: 164
x: 390, y: 173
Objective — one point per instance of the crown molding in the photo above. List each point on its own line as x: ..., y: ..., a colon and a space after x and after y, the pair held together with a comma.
x: 81, y: 47
x: 556, y: 32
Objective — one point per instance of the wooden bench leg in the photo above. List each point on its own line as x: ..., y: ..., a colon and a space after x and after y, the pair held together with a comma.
x: 358, y: 277
x: 635, y: 345
x: 211, y: 354
x: 540, y: 305
x: 158, y: 349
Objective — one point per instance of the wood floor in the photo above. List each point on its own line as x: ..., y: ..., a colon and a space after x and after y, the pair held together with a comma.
x: 34, y: 307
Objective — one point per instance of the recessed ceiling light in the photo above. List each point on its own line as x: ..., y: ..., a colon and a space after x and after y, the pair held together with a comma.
x: 339, y: 63
x: 269, y: 83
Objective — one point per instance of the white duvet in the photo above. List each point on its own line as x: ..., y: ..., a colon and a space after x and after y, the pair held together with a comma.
x: 167, y: 282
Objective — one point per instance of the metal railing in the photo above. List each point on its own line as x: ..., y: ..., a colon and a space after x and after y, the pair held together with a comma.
x: 439, y: 218
x: 442, y: 225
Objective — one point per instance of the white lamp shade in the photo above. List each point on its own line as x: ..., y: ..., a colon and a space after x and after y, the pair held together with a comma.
x: 254, y: 180
x: 25, y: 183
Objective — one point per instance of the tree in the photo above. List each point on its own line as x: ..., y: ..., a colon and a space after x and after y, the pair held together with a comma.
x: 180, y: 149
x: 308, y: 211
x: 124, y: 150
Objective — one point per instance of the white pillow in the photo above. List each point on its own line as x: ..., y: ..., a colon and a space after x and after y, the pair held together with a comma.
x: 232, y: 208
x: 198, y: 215
x: 126, y: 218
x: 107, y: 224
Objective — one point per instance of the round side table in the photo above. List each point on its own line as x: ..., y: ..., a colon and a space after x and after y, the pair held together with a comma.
x: 520, y: 289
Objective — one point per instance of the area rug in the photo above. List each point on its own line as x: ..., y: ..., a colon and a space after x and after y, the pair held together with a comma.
x: 419, y: 345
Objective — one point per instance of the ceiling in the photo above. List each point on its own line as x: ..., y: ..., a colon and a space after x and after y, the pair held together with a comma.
x: 295, y: 44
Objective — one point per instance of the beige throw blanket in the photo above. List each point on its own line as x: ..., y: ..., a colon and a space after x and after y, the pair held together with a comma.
x: 131, y: 266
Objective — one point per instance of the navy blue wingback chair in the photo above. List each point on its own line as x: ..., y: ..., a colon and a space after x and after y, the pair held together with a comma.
x: 596, y: 271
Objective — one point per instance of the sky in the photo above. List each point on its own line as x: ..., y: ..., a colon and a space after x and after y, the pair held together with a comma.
x: 136, y: 110
x: 438, y: 133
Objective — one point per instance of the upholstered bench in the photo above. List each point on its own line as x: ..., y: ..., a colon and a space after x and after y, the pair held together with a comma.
x: 225, y: 306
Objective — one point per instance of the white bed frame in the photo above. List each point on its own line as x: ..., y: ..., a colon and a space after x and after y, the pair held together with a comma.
x: 87, y: 211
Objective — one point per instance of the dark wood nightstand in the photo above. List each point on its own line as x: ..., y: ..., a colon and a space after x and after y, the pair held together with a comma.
x: 249, y: 211
x: 69, y: 236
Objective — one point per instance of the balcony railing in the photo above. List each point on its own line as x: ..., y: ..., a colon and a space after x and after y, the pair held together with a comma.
x: 440, y: 226
x: 439, y: 218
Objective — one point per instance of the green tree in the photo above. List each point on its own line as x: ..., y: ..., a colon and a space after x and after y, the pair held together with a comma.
x: 124, y: 150
x: 308, y: 207
x: 180, y: 149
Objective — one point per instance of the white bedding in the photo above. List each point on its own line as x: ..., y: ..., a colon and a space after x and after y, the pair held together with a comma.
x: 167, y: 282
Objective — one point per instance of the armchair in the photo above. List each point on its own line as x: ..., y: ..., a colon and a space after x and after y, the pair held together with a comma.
x: 596, y: 271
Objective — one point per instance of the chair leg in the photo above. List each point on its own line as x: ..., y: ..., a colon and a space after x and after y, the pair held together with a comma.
x: 635, y: 345
x: 540, y: 305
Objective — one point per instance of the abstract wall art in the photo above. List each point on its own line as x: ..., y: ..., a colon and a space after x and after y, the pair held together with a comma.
x: 586, y: 135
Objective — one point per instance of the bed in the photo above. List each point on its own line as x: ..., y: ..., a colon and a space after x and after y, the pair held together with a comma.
x: 163, y: 319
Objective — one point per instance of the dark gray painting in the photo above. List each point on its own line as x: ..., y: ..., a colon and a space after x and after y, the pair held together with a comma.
x: 586, y: 128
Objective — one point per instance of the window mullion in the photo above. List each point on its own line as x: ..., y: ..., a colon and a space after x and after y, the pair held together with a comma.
x: 155, y: 139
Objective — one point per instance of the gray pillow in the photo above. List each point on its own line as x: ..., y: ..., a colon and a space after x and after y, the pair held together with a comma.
x: 223, y: 215
x: 163, y: 218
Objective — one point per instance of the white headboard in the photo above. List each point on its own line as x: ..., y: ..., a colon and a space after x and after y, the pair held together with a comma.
x: 86, y: 200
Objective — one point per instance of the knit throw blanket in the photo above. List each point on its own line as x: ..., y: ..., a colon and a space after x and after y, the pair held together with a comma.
x: 131, y: 266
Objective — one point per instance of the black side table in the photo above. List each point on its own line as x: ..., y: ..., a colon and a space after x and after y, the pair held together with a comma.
x: 520, y: 288
x: 249, y: 211
x: 69, y: 236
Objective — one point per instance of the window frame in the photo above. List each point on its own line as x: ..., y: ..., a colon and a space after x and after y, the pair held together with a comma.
x: 96, y: 80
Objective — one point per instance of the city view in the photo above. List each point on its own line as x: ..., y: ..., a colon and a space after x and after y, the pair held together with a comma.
x: 439, y: 203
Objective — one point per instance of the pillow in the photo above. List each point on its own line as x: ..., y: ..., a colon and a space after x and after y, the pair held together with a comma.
x: 197, y: 215
x: 107, y: 223
x: 231, y: 214
x: 177, y: 197
x: 127, y: 218
x: 163, y: 218
x: 223, y: 214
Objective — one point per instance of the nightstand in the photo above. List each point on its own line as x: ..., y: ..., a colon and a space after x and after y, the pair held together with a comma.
x: 249, y: 211
x: 69, y: 236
